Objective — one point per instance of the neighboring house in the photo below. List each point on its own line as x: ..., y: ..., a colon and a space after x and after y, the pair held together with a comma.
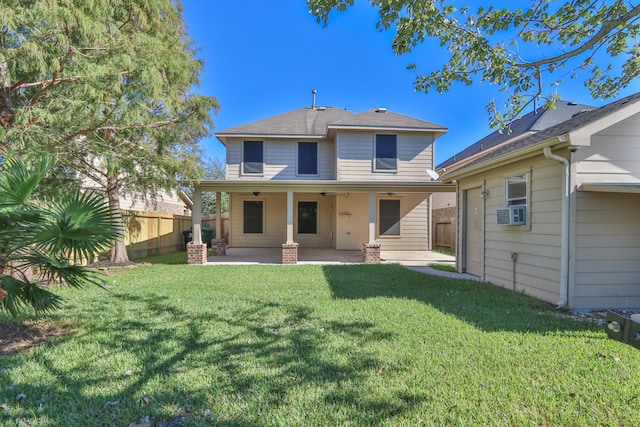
x: 173, y: 202
x: 555, y: 214
x: 444, y: 204
x: 325, y: 177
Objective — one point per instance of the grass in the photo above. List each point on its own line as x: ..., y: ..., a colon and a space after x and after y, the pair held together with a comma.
x: 169, y: 259
x: 443, y: 267
x: 443, y: 251
x: 317, y: 346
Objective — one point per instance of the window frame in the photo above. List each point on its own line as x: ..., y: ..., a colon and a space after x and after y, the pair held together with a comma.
x: 376, y: 167
x: 518, y: 200
x: 244, y: 158
x: 398, y: 223
x: 298, y: 205
x: 299, y: 163
x: 244, y: 216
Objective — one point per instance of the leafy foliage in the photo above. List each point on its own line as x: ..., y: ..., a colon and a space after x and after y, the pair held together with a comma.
x: 515, y: 49
x: 108, y: 87
x: 46, y: 235
x: 213, y: 169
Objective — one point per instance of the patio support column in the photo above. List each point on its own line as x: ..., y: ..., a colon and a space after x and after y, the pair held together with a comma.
x: 289, y: 216
x: 219, y: 245
x: 218, y: 215
x: 196, y: 215
x: 371, y: 249
x: 290, y: 248
x: 372, y: 217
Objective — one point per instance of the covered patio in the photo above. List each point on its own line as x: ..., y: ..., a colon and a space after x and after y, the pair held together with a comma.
x: 345, y: 222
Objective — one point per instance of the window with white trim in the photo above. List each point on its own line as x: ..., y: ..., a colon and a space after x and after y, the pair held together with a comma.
x: 516, y: 190
x: 307, y: 158
x: 253, y: 157
x: 253, y: 217
x: 389, y: 217
x: 307, y: 217
x: 386, y: 153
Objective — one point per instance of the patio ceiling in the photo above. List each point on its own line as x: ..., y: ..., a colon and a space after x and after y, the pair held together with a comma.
x: 323, y: 186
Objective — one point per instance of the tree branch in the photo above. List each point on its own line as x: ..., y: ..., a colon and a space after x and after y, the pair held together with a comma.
x: 601, y: 34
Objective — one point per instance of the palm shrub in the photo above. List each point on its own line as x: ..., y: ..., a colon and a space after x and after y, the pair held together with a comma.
x: 47, y: 235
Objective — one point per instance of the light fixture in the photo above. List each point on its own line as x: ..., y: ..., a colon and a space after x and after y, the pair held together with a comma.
x: 484, y: 194
x: 323, y: 194
x: 256, y: 193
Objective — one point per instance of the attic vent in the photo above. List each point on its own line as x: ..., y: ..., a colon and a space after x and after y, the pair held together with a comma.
x: 381, y: 110
x: 571, y: 103
x: 321, y: 108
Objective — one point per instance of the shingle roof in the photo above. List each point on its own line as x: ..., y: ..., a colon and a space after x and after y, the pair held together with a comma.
x: 529, y: 123
x: 302, y: 122
x: 381, y: 118
x: 577, y: 121
x: 314, y: 122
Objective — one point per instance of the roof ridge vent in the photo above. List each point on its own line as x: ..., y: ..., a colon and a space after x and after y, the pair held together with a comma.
x: 381, y: 110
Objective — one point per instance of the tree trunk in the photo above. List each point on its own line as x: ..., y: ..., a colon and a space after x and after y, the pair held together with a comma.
x: 6, y: 105
x: 119, y: 252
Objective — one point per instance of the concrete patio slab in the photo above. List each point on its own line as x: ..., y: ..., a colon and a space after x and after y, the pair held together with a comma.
x: 325, y: 256
x: 413, y: 260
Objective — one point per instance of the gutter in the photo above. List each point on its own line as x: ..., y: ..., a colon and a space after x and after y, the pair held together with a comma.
x: 564, y: 228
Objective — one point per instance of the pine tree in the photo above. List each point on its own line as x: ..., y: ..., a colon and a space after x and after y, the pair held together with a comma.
x: 105, y: 86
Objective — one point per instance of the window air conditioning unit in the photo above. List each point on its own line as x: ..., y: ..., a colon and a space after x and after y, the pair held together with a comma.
x: 513, y: 215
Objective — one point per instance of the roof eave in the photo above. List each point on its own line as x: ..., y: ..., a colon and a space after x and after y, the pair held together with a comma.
x: 223, y: 137
x: 521, y: 153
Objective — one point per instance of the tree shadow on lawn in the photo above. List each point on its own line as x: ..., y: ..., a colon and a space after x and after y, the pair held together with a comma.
x: 257, y: 359
x: 486, y: 306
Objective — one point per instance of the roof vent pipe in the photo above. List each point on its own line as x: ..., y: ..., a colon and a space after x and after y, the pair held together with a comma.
x: 313, y: 98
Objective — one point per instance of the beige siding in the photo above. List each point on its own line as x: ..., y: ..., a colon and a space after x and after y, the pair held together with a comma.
x: 443, y: 200
x: 607, y: 259
x: 414, y: 225
x: 538, y: 243
x: 614, y: 154
x: 280, y: 160
x: 275, y: 221
x: 352, y: 221
x: 355, y: 151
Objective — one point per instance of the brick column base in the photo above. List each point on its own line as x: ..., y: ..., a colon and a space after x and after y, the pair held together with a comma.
x: 218, y: 247
x: 290, y: 253
x: 371, y: 253
x: 196, y: 254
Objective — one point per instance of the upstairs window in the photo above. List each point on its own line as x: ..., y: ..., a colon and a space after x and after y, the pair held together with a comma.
x: 307, y: 217
x: 389, y: 217
x: 386, y: 155
x: 253, y: 157
x: 516, y: 190
x: 307, y: 158
x: 253, y: 217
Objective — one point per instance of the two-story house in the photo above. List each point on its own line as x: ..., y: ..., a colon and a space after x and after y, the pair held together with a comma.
x: 325, y: 177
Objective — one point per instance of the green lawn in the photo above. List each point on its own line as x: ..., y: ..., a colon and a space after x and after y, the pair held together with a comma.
x: 317, y: 346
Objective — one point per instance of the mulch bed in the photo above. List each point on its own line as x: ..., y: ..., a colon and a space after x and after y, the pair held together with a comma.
x: 16, y: 337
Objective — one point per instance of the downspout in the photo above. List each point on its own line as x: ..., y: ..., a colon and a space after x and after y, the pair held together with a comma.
x: 564, y: 229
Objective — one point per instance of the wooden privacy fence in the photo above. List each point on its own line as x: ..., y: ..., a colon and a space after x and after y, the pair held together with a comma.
x: 152, y: 233
x: 444, y: 229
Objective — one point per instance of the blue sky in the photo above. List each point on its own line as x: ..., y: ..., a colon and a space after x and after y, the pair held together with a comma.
x: 263, y: 58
